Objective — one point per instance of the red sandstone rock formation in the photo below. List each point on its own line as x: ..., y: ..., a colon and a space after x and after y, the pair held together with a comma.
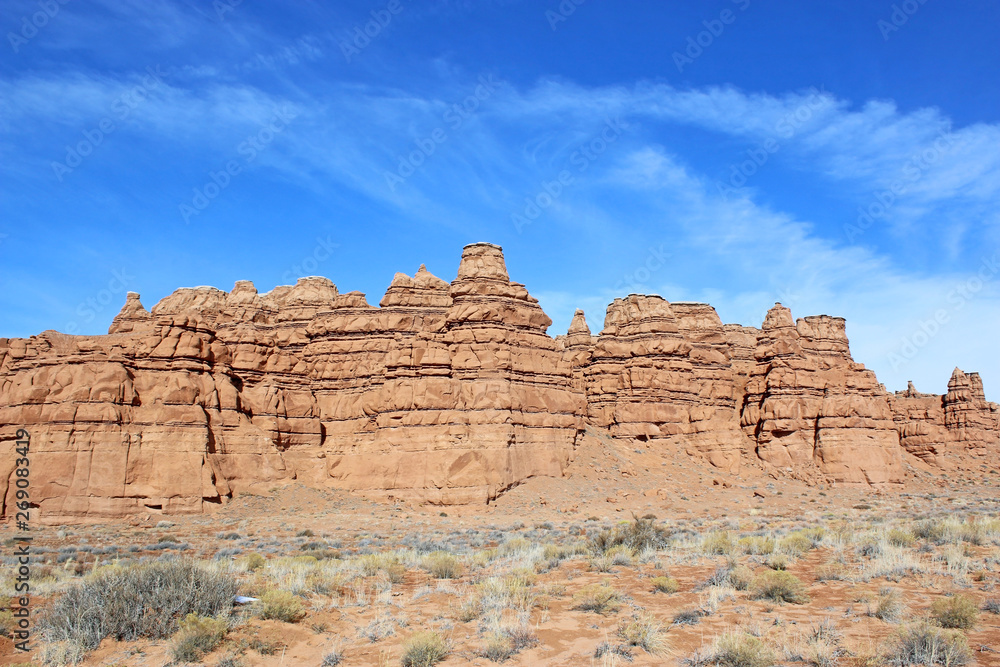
x: 445, y: 393
x: 813, y: 410
x: 940, y: 429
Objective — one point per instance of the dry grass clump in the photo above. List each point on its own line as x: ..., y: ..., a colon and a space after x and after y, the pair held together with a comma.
x: 197, y: 636
x: 281, y: 606
x: 757, y: 545
x: 779, y: 586
x: 795, y: 544
x: 718, y: 543
x: 424, y: 649
x: 830, y: 572
x: 958, y: 611
x: 900, y: 537
x: 664, y: 585
x: 598, y: 598
x: 739, y: 649
x: 442, y: 565
x: 887, y: 606
x: 635, y: 536
x: 924, y: 644
x: 645, y: 631
x: 127, y: 603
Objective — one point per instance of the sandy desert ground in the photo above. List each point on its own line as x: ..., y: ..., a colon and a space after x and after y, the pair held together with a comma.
x: 634, y: 557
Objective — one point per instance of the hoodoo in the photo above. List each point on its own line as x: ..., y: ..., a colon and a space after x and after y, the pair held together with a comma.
x: 446, y: 393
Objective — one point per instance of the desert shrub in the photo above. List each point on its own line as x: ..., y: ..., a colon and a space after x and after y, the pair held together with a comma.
x: 888, y: 605
x: 830, y: 572
x: 619, y: 555
x: 197, y: 636
x: 757, y: 545
x: 900, y: 537
x: 795, y: 544
x: 931, y: 530
x: 957, y: 611
x: 992, y: 606
x: 779, y: 586
x: 645, y: 631
x: 424, y: 649
x: 923, y: 644
x: 333, y: 658
x: 128, y: 602
x: 305, y: 533
x: 611, y: 651
x: 442, y: 565
x: 255, y: 561
x: 664, y: 585
x: 497, y: 647
x: 738, y: 649
x: 687, y: 617
x: 720, y: 542
x: 598, y: 598
x: 777, y: 561
x: 281, y: 606
x: 740, y: 577
x: 637, y: 535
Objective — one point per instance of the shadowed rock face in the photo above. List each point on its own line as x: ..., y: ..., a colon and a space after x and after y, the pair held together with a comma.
x: 447, y: 393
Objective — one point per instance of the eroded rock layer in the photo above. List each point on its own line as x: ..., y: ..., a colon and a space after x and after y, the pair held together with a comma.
x: 445, y: 393
x: 942, y: 429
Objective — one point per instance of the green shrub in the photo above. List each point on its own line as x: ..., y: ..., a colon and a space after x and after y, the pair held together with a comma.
x: 795, y: 544
x: 598, y: 598
x: 129, y: 602
x: 281, y: 606
x: 779, y: 586
x: 757, y: 545
x: 424, y: 649
x: 664, y: 585
x: 923, y: 644
x: 197, y: 636
x: 958, y: 611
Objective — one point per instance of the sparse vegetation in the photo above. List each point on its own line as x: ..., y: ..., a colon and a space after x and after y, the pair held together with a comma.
x: 665, y: 584
x: 281, y: 606
x: 424, y: 649
x: 780, y: 587
x: 958, y: 612
x: 598, y: 598
x: 197, y: 636
x: 739, y: 649
x: 645, y: 631
x: 924, y: 644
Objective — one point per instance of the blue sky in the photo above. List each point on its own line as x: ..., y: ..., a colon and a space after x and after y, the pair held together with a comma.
x: 843, y: 158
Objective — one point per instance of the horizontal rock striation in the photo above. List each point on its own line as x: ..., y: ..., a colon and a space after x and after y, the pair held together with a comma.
x: 446, y: 393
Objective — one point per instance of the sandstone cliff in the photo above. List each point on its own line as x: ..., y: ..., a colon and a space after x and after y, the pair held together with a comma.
x: 444, y: 393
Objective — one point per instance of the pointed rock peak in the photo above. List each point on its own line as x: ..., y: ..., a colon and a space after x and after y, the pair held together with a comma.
x: 427, y: 280
x: 578, y: 325
x: 482, y: 261
x: 910, y: 389
x: 778, y: 317
x: 131, y: 314
x: 422, y: 269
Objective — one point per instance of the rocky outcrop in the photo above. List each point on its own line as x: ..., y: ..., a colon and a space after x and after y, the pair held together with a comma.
x: 942, y: 429
x: 814, y: 411
x: 662, y: 373
x: 445, y: 393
